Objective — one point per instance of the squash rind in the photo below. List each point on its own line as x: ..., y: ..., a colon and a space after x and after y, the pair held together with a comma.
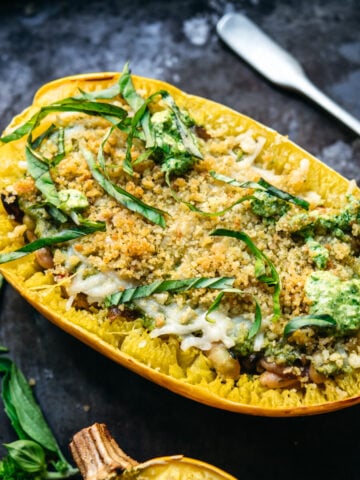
x: 256, y: 401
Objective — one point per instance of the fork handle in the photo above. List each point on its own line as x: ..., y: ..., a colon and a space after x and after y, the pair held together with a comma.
x: 307, y: 88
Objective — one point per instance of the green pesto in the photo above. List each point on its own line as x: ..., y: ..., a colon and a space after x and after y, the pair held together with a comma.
x: 339, y: 224
x: 335, y: 297
x: 267, y: 206
x: 318, y: 253
x: 170, y: 150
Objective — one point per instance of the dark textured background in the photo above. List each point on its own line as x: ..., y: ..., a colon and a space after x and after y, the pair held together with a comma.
x: 176, y: 41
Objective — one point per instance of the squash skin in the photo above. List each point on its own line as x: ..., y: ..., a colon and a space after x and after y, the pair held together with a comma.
x: 281, y: 151
x: 99, y: 457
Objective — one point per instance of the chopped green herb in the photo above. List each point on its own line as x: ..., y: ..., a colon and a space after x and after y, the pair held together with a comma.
x: 262, y: 265
x: 131, y: 202
x: 174, y: 286
x: 263, y: 185
x: 62, y: 236
x: 323, y: 321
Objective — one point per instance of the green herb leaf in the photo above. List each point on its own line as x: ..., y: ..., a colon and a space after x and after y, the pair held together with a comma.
x: 135, y: 101
x: 127, y: 89
x: 28, y: 455
x: 40, y: 172
x: 195, y: 209
x: 62, y: 236
x: 131, y: 202
x: 324, y: 321
x: 61, y: 147
x: 216, y: 303
x: 276, y: 192
x: 105, y: 110
x: 173, y: 286
x: 105, y: 94
x: 262, y: 185
x: 28, y: 411
x: 6, y: 368
x: 255, y: 327
x: 261, y: 263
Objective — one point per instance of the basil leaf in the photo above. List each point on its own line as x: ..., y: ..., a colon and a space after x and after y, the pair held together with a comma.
x: 6, y: 397
x: 106, y: 93
x: 255, y: 327
x: 276, y: 192
x: 127, y: 89
x: 101, y: 156
x: 318, y: 321
x: 61, y: 147
x: 233, y: 181
x: 62, y: 236
x: 174, y: 286
x: 214, y: 306
x: 33, y: 431
x: 261, y: 262
x: 195, y: 209
x: 28, y: 455
x: 131, y: 202
x: 130, y: 95
x: 40, y: 172
x: 258, y: 316
x: 105, y: 110
x: 137, y: 118
x: 262, y: 185
x: 28, y: 411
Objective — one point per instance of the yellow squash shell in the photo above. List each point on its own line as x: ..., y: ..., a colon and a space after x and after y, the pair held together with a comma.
x: 246, y: 395
x: 99, y: 457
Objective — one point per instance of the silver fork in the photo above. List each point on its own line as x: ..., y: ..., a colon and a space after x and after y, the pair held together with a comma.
x: 275, y: 63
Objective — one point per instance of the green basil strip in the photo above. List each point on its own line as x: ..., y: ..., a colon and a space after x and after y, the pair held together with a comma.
x: 61, y: 147
x: 131, y: 202
x: 264, y: 186
x: 173, y: 286
x: 40, y: 172
x: 61, y: 237
x: 130, y: 95
x: 214, y: 306
x: 318, y: 321
x: 127, y: 89
x: 48, y: 132
x: 105, y: 94
x: 276, y: 192
x: 105, y: 110
x: 195, y: 209
x: 137, y: 118
x: 101, y: 156
x: 233, y: 181
x: 261, y: 262
x: 255, y: 327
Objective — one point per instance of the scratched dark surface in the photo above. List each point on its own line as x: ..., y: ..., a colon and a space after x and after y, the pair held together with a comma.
x: 177, y: 42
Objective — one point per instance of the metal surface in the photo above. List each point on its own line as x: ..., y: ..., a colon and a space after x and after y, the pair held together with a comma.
x: 275, y: 63
x: 177, y: 42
